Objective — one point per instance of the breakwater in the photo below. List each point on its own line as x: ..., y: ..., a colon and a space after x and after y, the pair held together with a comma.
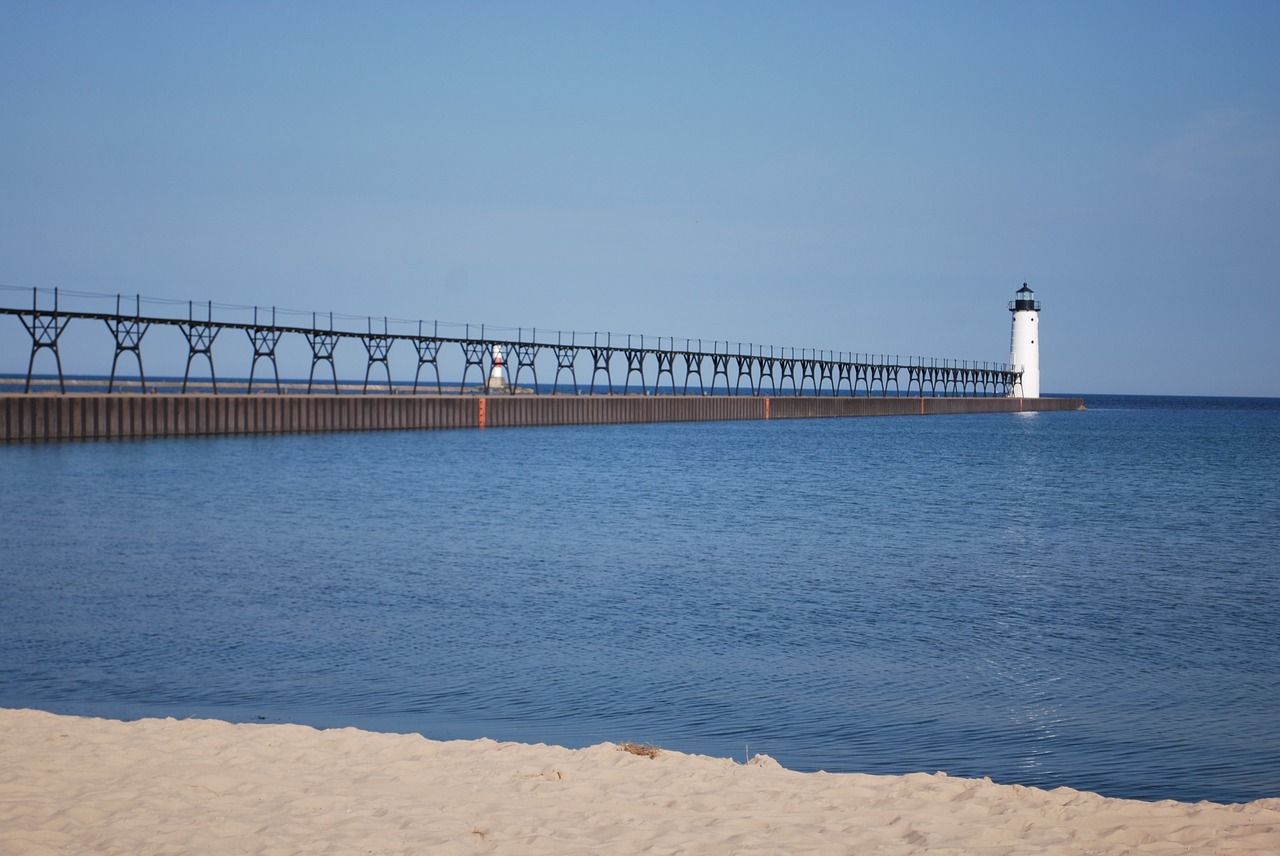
x: 43, y: 417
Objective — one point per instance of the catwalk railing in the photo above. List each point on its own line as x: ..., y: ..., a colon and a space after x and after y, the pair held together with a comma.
x: 649, y: 359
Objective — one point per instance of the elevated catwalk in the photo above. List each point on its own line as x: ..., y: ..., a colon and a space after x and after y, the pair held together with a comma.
x: 704, y: 367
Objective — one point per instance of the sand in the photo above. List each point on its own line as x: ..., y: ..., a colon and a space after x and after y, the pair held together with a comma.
x: 82, y: 785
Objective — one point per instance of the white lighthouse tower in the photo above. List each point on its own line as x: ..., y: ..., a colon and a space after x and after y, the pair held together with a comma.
x: 1025, y: 350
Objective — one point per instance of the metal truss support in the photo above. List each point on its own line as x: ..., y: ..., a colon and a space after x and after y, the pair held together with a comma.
x: 826, y: 369
x: 322, y: 343
x: 807, y: 366
x: 600, y: 355
x: 951, y: 381
x: 200, y: 336
x: 991, y: 383
x: 861, y: 372
x: 428, y: 348
x: 565, y: 356
x: 488, y: 372
x: 635, y: 365
x: 264, y: 341
x: 936, y: 380
x: 474, y: 353
x: 767, y: 365
x: 45, y: 328
x: 788, y: 367
x: 883, y: 374
x: 428, y: 351
x: 719, y: 368
x: 128, y: 333
x: 526, y: 357
x: 666, y: 365
x: 693, y: 366
x: 378, y: 347
x: 746, y: 368
x: 914, y: 380
x: 845, y: 371
x: 876, y: 376
x: 1015, y: 388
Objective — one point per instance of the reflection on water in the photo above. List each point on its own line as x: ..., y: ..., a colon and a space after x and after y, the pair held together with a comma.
x: 1084, y: 599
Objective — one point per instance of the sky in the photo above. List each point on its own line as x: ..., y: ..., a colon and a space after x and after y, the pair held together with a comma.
x: 872, y: 177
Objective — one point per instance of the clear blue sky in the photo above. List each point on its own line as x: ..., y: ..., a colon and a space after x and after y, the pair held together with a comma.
x: 857, y: 176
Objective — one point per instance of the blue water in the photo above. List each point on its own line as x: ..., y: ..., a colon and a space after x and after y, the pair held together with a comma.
x: 1084, y: 599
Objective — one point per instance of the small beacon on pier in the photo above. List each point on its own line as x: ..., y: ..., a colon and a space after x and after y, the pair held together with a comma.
x: 1025, y: 351
x: 498, y: 374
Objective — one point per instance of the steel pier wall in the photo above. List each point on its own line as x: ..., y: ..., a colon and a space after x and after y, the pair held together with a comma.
x: 90, y: 417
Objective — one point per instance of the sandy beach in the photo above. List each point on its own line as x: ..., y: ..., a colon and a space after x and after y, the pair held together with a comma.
x: 83, y: 785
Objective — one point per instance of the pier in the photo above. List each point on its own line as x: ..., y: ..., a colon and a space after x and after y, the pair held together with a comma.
x: 598, y: 378
x: 43, y: 417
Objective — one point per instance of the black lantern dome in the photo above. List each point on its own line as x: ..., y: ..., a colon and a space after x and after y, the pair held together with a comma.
x: 1025, y: 300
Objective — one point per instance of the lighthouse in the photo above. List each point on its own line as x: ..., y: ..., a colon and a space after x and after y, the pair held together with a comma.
x: 1024, y: 353
x: 498, y: 374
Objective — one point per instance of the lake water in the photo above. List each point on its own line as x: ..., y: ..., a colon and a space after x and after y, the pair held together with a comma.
x: 1083, y: 599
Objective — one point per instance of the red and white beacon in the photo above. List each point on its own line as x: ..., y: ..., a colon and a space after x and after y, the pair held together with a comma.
x: 498, y: 374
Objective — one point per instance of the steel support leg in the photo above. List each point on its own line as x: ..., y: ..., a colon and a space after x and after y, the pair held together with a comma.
x: 565, y: 356
x: 45, y: 328
x: 200, y: 336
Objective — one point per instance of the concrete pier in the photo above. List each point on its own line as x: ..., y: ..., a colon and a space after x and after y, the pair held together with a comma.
x: 43, y: 417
